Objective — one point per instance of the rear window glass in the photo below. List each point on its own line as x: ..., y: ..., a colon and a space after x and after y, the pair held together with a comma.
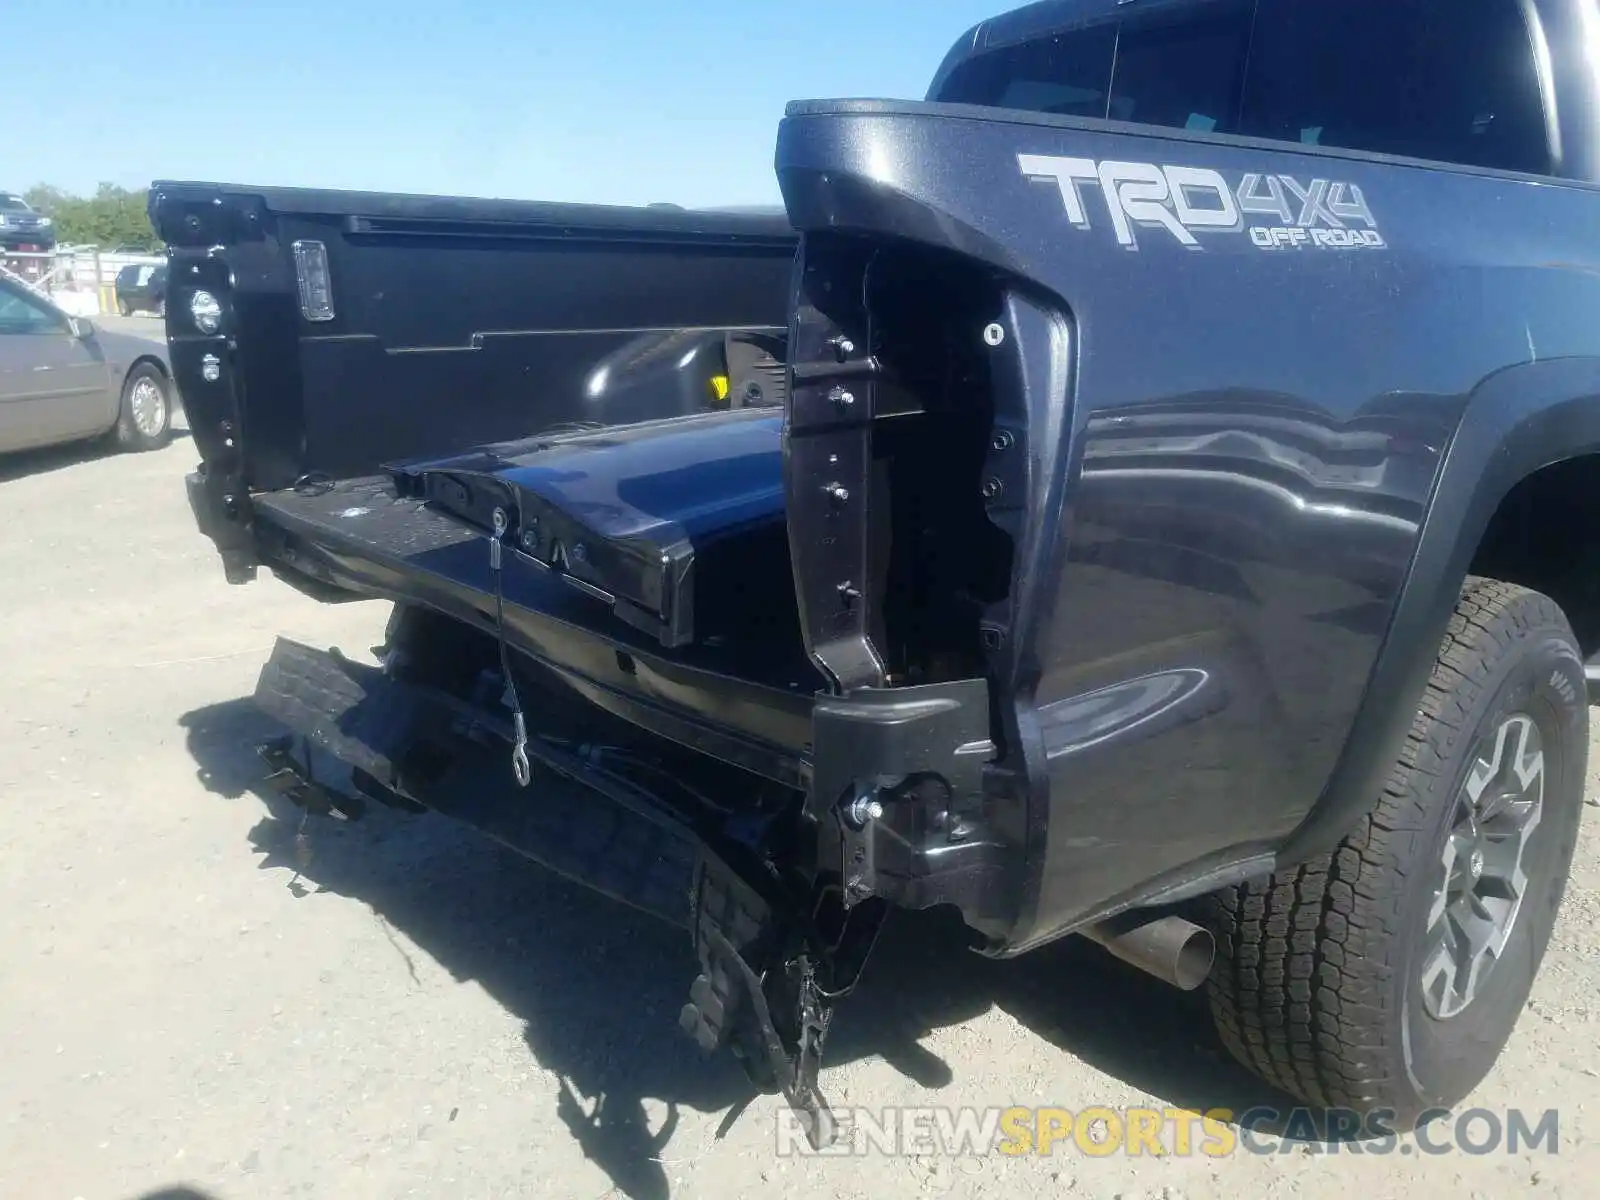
x: 1449, y: 80
x: 1184, y: 78
x: 1185, y: 75
x: 1455, y: 82
x: 1068, y: 74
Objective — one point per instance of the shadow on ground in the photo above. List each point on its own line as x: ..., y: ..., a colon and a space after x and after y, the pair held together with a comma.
x: 556, y: 956
x: 57, y: 458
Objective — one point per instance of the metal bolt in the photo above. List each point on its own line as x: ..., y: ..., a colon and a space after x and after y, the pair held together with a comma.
x: 1002, y: 440
x: 842, y: 398
x: 994, y: 333
x: 843, y: 347
x: 991, y: 488
x: 500, y: 522
x: 837, y: 492
x: 863, y: 807
x: 530, y: 539
x: 849, y: 593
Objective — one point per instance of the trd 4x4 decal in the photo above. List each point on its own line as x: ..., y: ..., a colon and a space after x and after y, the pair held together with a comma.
x: 1184, y: 201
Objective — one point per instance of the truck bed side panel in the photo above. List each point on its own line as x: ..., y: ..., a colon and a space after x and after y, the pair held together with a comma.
x: 1259, y: 409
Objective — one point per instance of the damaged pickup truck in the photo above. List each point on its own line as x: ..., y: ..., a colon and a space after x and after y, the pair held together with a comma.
x: 1147, y: 490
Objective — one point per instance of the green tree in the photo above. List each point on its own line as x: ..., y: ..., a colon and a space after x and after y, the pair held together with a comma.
x: 112, y: 216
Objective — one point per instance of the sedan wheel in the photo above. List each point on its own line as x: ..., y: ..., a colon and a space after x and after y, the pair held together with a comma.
x: 145, y: 419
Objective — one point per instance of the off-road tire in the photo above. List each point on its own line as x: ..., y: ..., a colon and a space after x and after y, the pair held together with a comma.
x: 1317, y: 982
x: 123, y: 309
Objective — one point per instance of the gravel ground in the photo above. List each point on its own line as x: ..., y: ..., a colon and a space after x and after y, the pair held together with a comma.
x: 421, y: 1013
x: 145, y: 325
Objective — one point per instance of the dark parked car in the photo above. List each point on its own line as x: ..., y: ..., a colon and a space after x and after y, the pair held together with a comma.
x: 142, y: 288
x: 62, y: 380
x: 1173, y: 518
x: 22, y: 228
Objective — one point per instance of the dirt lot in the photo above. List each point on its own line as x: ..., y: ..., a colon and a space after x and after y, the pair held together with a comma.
x: 145, y: 325
x: 421, y: 1013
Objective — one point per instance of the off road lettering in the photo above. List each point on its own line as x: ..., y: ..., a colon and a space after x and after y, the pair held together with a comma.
x: 1187, y: 202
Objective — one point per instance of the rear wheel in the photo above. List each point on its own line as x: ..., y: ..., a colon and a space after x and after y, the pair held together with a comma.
x: 1389, y: 974
x: 161, y: 307
x: 144, y: 421
x: 123, y: 307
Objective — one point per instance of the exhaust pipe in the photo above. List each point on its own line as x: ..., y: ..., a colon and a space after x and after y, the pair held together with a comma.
x: 1174, y: 950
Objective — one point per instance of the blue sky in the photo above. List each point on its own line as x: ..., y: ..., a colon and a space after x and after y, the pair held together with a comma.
x: 612, y: 101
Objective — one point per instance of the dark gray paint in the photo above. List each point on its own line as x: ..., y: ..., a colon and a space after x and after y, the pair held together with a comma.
x: 1234, y: 483
x: 1254, y: 479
